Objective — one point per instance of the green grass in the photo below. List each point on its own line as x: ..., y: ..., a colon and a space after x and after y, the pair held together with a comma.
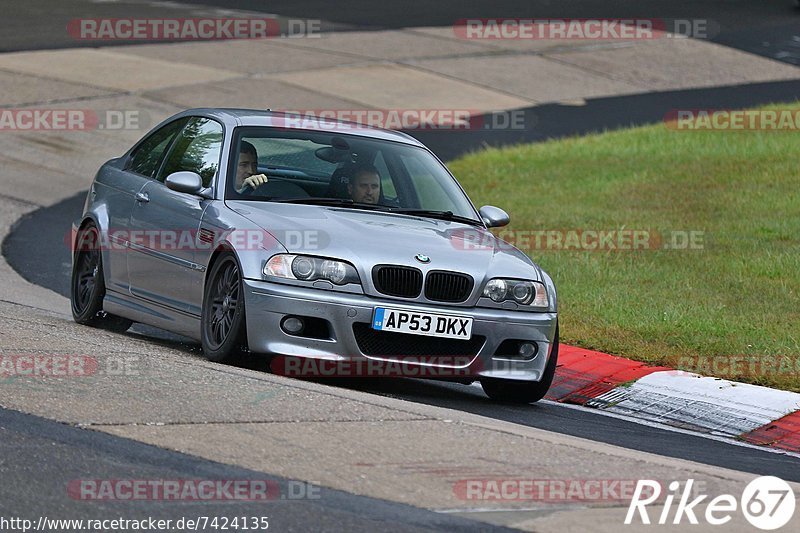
x: 738, y: 296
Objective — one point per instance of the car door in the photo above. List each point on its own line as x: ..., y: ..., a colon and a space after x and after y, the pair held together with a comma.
x: 119, y: 185
x: 163, y: 265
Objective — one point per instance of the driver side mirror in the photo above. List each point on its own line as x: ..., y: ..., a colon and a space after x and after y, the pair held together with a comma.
x: 494, y: 217
x: 187, y: 182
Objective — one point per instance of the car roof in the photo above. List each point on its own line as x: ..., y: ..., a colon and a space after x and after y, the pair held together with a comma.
x: 300, y: 121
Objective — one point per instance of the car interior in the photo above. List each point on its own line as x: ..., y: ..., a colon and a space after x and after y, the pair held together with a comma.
x: 316, y: 172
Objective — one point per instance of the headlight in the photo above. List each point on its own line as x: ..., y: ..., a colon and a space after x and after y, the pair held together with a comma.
x: 334, y: 271
x: 307, y: 268
x: 303, y: 267
x: 496, y: 289
x: 523, y: 292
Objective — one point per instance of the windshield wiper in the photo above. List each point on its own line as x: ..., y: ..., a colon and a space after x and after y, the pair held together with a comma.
x: 347, y: 202
x: 442, y: 215
x: 336, y: 202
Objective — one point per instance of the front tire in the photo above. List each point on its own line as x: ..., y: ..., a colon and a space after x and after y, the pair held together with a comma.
x: 88, y: 287
x: 516, y: 391
x: 223, y: 331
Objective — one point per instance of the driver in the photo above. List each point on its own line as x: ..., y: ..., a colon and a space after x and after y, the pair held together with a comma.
x: 365, y: 185
x: 247, y: 167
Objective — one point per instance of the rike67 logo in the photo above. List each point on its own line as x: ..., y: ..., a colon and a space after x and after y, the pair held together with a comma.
x: 767, y: 502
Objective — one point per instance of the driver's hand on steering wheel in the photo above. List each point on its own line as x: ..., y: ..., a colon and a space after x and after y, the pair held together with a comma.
x: 253, y: 182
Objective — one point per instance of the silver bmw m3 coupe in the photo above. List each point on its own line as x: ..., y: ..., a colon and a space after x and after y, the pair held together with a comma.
x: 257, y: 232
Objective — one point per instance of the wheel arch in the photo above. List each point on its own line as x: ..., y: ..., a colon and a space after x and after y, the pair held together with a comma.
x: 222, y: 248
x: 87, y: 220
x: 98, y: 216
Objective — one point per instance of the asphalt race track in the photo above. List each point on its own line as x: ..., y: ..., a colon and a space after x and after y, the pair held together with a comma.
x: 48, y: 264
x: 59, y: 454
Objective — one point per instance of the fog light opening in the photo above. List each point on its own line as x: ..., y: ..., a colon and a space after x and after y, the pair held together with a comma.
x: 527, y: 350
x: 292, y: 325
x: 517, y: 350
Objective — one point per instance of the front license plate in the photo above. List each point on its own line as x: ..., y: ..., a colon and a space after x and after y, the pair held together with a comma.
x: 445, y: 326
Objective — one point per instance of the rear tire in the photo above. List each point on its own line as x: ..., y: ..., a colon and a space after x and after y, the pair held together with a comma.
x: 516, y: 391
x: 223, y: 330
x: 88, y: 287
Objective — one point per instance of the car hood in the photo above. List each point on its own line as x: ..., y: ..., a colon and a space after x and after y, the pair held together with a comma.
x: 367, y: 238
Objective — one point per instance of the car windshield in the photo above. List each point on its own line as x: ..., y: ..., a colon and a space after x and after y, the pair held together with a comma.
x: 323, y: 168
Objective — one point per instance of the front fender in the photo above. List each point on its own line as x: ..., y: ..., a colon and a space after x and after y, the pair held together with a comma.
x: 551, y: 291
x: 233, y: 232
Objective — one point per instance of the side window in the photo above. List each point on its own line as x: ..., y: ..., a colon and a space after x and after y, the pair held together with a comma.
x: 146, y: 159
x: 387, y: 185
x: 431, y: 193
x: 197, y: 149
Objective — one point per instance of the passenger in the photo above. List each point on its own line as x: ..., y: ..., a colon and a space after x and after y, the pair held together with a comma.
x: 365, y: 185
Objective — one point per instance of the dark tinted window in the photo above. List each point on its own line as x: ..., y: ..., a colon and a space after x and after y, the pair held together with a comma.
x: 291, y: 153
x: 146, y: 159
x: 197, y: 149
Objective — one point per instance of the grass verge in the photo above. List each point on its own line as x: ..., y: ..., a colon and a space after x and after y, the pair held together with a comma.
x: 728, y: 306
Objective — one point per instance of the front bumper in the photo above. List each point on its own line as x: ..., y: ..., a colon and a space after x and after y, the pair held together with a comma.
x: 267, y: 303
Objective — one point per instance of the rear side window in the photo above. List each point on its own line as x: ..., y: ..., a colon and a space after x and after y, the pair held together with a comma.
x: 146, y: 159
x: 197, y: 149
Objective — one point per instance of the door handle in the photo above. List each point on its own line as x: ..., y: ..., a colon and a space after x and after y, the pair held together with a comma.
x: 142, y: 197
